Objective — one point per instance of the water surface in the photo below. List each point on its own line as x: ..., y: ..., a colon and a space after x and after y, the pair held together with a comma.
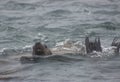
x: 23, y: 22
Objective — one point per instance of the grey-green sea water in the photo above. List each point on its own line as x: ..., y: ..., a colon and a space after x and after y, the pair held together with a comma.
x: 23, y: 22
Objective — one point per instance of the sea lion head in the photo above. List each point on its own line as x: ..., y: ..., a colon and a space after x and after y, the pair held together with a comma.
x: 41, y: 49
x: 38, y: 49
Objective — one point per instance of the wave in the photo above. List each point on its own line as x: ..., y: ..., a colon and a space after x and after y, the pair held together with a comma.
x: 52, y: 58
x: 7, y: 78
x: 107, y: 12
x: 58, y: 13
x: 64, y: 58
x: 108, y: 25
x: 67, y: 58
x: 14, y: 5
x: 5, y: 52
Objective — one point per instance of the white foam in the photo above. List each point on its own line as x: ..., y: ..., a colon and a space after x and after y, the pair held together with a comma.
x: 3, y: 49
x: 69, y: 46
x: 27, y: 46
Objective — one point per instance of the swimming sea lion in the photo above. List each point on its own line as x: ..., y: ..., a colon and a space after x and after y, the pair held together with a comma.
x: 116, y: 43
x: 93, y: 46
x: 40, y: 49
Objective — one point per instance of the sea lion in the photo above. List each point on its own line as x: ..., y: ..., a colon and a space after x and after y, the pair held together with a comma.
x: 116, y: 43
x: 93, y: 46
x: 47, y: 51
x: 41, y: 49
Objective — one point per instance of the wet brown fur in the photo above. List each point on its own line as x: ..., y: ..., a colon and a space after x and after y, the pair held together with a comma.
x: 93, y: 46
x: 116, y: 44
x: 40, y: 49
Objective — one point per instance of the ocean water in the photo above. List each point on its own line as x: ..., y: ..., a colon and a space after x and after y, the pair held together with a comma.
x: 23, y: 22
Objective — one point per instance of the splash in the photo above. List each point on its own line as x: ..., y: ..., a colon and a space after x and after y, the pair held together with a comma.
x: 77, y: 47
x: 69, y: 46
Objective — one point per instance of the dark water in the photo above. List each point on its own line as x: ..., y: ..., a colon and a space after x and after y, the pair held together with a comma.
x: 23, y: 22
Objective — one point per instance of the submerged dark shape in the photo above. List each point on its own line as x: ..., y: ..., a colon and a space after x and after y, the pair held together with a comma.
x: 116, y: 43
x: 40, y: 49
x: 93, y: 45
